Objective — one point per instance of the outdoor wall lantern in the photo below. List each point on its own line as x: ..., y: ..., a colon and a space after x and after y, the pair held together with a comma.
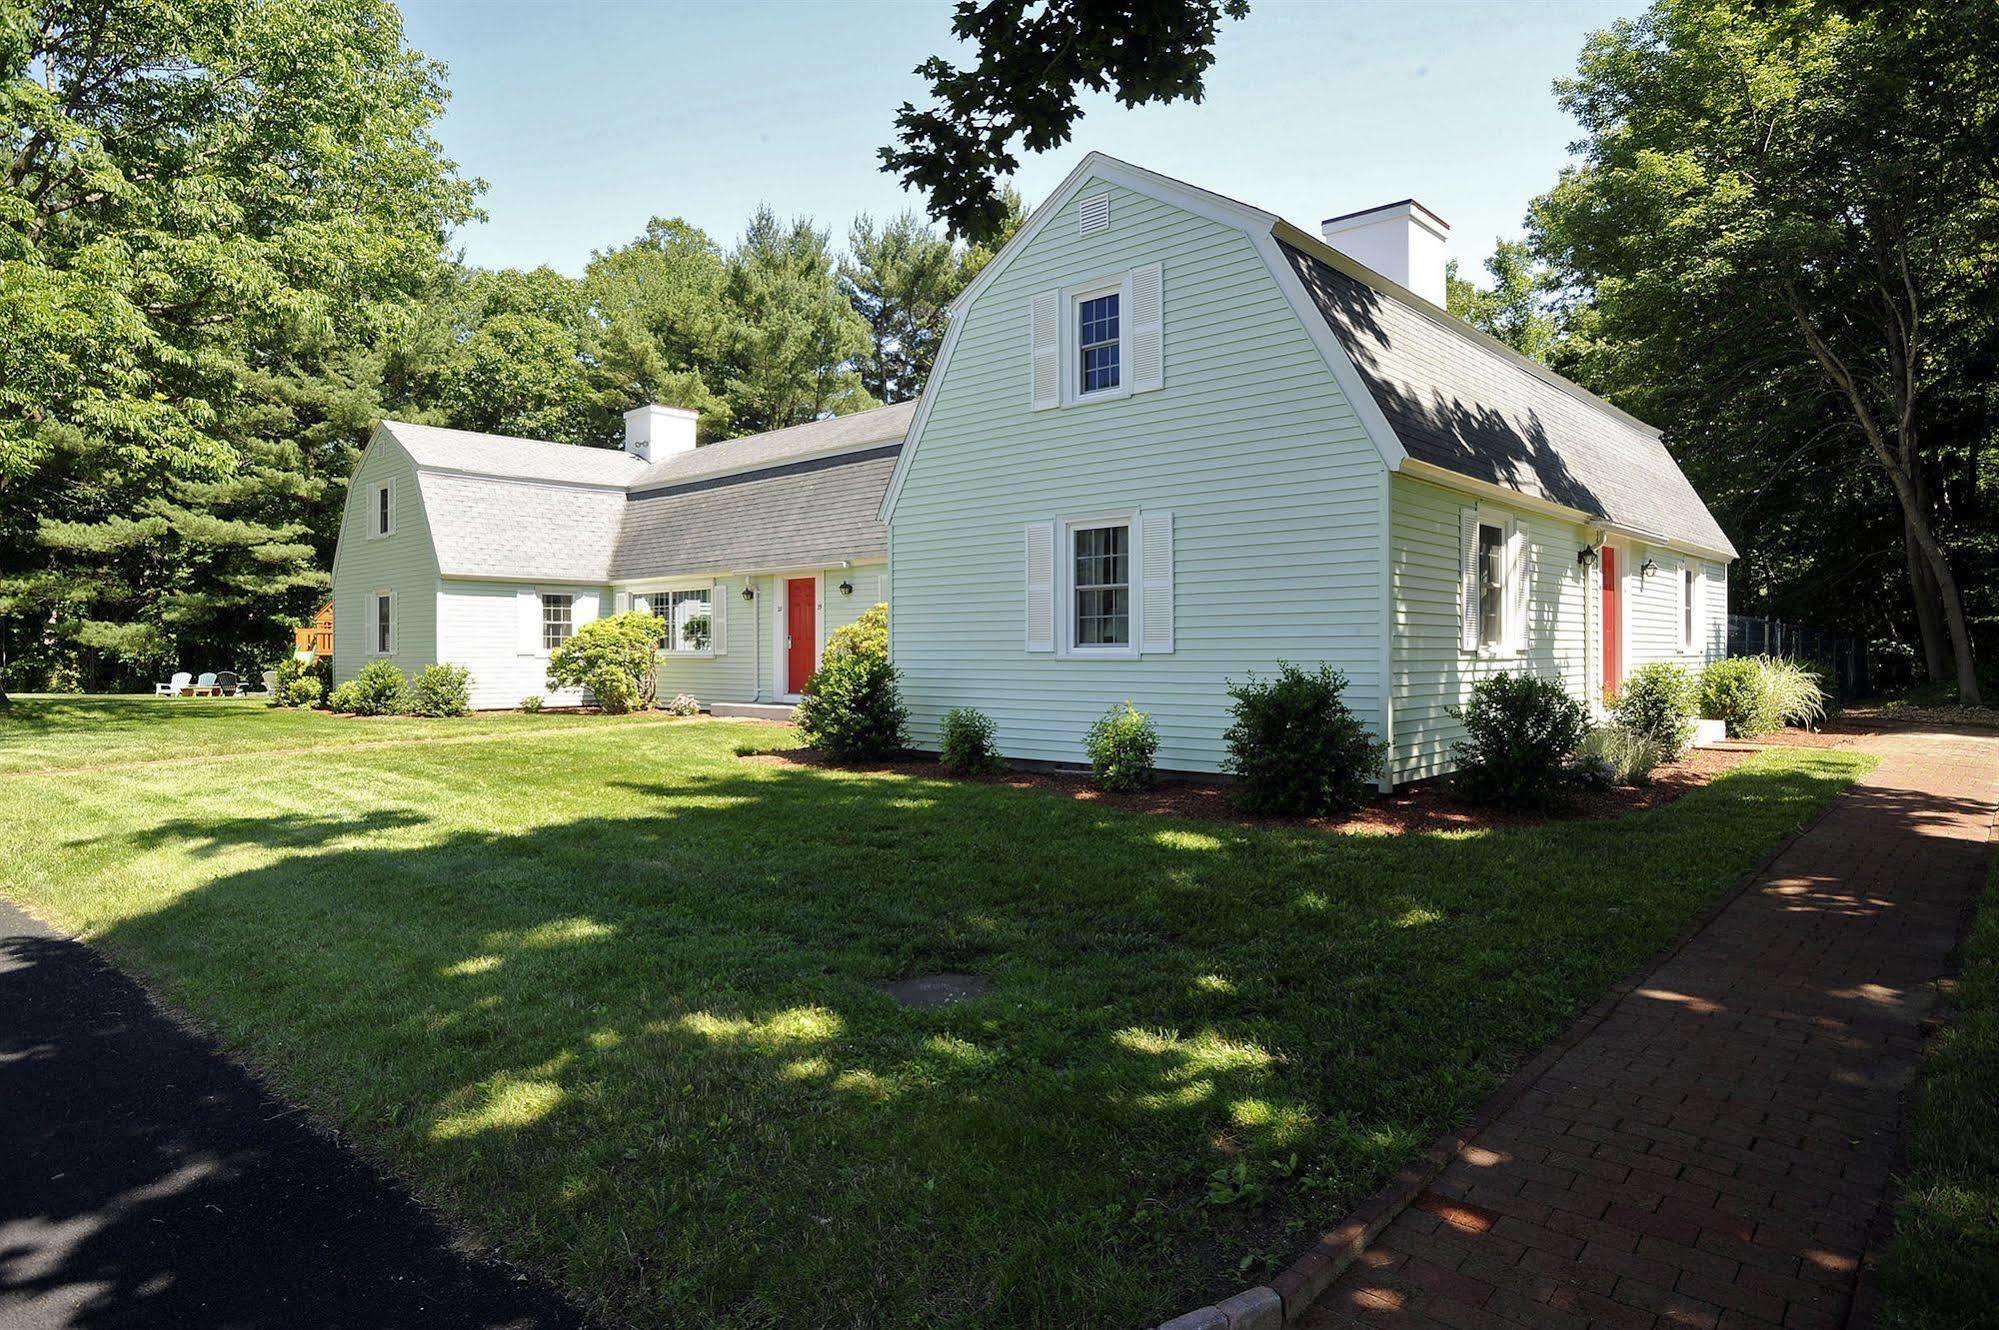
x: 1647, y: 568
x: 846, y: 588
x: 1588, y: 556
x: 749, y: 593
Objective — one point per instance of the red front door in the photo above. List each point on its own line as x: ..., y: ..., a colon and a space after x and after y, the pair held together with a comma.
x: 1613, y: 624
x: 801, y: 631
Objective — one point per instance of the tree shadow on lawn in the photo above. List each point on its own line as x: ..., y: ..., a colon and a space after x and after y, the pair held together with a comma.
x: 649, y: 1052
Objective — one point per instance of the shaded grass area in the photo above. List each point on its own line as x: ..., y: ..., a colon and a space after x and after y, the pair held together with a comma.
x: 50, y: 731
x: 614, y: 1000
x: 1942, y: 1270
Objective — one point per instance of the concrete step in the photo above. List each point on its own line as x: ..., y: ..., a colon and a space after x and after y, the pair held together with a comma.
x: 754, y: 710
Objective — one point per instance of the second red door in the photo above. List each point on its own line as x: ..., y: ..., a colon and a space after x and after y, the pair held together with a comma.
x: 801, y: 628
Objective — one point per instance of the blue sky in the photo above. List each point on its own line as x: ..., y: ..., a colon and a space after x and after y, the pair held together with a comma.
x: 587, y: 118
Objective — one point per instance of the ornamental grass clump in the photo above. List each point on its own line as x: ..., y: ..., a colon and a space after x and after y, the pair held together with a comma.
x: 1519, y: 732
x: 1659, y: 703
x: 1121, y: 746
x: 614, y: 658
x: 1739, y: 692
x: 1295, y: 748
x: 851, y: 708
x: 1610, y: 755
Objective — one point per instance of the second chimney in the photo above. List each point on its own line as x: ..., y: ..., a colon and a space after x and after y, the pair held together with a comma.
x: 653, y: 431
x: 1404, y: 242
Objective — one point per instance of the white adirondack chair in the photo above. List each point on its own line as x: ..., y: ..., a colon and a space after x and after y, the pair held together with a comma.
x: 180, y: 682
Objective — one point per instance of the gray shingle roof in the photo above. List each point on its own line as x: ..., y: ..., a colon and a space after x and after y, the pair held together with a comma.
x: 1460, y: 404
x: 886, y: 424
x: 794, y: 514
x: 515, y: 459
x: 487, y: 527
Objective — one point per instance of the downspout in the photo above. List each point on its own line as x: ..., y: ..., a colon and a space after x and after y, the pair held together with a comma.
x: 1387, y: 667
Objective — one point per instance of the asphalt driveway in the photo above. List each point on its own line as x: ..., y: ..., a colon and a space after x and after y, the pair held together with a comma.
x: 145, y: 1180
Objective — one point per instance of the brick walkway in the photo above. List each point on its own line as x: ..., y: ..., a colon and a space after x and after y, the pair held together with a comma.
x: 1714, y: 1153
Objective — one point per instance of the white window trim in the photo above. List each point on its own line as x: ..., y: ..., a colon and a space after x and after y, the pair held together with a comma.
x: 542, y: 649
x: 375, y: 531
x: 1065, y: 574
x: 375, y: 597
x: 1069, y: 339
x: 653, y: 590
x: 1512, y: 637
x: 1689, y: 604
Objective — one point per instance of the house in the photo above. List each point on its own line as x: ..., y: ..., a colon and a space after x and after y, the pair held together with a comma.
x: 487, y: 551
x: 1171, y: 440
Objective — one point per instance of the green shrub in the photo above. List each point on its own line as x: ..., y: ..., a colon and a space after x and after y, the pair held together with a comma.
x: 614, y: 657
x: 867, y: 635
x: 532, y: 703
x: 290, y: 671
x: 1121, y: 746
x: 441, y: 690
x: 1519, y: 732
x: 851, y: 708
x: 968, y: 743
x: 1612, y: 755
x: 1296, y: 748
x: 683, y: 704
x: 1660, y: 702
x: 1799, y: 696
x: 304, y: 690
x: 345, y: 698
x: 1740, y: 693
x: 379, y: 690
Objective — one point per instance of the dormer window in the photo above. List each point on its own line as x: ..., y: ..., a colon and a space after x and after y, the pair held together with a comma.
x: 1097, y: 338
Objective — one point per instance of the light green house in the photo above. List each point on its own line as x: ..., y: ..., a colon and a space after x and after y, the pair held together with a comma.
x: 1172, y: 440
x: 487, y: 551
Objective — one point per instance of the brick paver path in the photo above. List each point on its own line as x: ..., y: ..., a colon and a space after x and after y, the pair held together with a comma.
x: 1714, y: 1152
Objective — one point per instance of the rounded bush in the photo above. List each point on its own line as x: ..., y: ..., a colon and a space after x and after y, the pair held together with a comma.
x: 852, y: 709
x: 1295, y: 747
x: 614, y: 657
x: 1659, y: 703
x: 441, y: 690
x: 345, y: 698
x: 378, y: 690
x: 1519, y: 732
x: 303, y: 691
x: 1739, y: 693
x: 968, y: 748
x: 532, y: 703
x: 290, y: 670
x: 1121, y: 746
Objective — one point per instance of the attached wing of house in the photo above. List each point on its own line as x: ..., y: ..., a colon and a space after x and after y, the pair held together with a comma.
x: 486, y: 550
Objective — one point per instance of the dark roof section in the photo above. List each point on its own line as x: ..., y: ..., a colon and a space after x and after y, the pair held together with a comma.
x: 788, y: 516
x: 1464, y: 406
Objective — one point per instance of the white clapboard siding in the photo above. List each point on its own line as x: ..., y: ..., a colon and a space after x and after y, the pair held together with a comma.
x: 403, y: 562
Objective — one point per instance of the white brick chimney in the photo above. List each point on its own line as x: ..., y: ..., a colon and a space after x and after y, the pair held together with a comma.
x: 653, y: 431
x: 1404, y: 242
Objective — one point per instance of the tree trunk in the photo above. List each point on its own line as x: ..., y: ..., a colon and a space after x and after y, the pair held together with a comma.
x: 1929, y: 611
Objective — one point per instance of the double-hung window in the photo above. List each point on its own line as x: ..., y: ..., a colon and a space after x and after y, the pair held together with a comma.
x: 1098, y: 343
x: 689, y: 619
x: 1690, y: 587
x: 382, y: 521
x: 558, y: 619
x: 1491, y: 585
x: 1101, y: 596
x: 383, y: 628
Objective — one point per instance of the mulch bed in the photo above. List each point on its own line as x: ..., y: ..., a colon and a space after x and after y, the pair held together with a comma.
x: 1420, y: 806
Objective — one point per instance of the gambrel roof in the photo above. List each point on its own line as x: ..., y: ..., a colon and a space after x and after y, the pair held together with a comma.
x: 513, y: 508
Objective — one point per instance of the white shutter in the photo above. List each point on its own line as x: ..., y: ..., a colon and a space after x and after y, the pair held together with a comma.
x: 1045, y: 318
x: 392, y: 621
x: 1040, y: 586
x: 528, y: 607
x: 582, y: 609
x: 1468, y: 579
x: 1155, y: 569
x: 1148, y: 352
x: 718, y: 618
x: 1518, y: 586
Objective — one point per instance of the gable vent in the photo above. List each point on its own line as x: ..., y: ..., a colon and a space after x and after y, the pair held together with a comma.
x: 1094, y: 214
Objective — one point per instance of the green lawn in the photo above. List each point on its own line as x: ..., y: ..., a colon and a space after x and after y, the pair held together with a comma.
x: 1942, y: 1272
x: 610, y: 995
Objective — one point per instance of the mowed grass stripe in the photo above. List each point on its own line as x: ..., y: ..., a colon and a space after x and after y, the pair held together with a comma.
x: 613, y: 1000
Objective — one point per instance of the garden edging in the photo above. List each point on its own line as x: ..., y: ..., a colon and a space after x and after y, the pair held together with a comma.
x: 1284, y: 1299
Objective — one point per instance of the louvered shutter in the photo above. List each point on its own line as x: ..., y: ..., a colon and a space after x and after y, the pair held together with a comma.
x: 1040, y: 586
x: 528, y: 611
x: 1519, y: 586
x: 1468, y: 579
x: 1045, y: 320
x: 1155, y: 568
x: 718, y: 618
x: 1148, y: 348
